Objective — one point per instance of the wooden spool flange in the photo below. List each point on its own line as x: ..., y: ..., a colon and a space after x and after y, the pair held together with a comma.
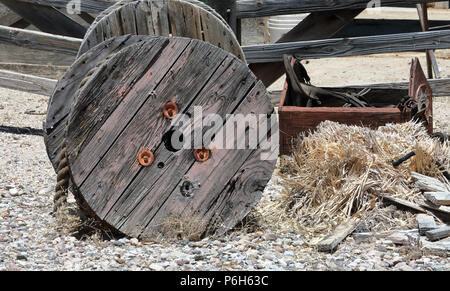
x: 118, y: 113
x: 186, y: 18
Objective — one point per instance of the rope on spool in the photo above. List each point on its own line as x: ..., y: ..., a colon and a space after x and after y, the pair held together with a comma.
x: 62, y: 180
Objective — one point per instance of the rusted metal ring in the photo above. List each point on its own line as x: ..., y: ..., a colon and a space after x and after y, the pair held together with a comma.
x: 170, y: 110
x: 202, y: 155
x: 145, y: 157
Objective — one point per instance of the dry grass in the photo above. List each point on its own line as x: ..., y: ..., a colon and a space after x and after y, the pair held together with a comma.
x: 342, y: 171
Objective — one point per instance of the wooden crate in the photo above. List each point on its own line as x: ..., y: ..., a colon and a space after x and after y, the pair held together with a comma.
x: 296, y: 120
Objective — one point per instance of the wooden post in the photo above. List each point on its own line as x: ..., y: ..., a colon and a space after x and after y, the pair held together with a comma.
x: 422, y: 9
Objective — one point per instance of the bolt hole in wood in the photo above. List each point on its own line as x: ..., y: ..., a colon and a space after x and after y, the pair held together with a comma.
x: 187, y: 189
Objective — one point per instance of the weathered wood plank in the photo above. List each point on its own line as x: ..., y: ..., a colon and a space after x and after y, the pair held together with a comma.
x: 429, y: 184
x: 425, y: 223
x: 418, y: 41
x: 259, y: 8
x: 9, y: 18
x: 44, y: 71
x: 330, y: 243
x: 39, y: 40
x: 26, y: 83
x: 438, y: 234
x: 404, y: 204
x: 128, y: 18
x: 438, y: 198
x: 440, y: 88
x: 442, y: 212
x: 367, y: 27
x: 91, y: 6
x: 144, y: 21
x: 160, y: 17
x: 46, y: 18
x: 10, y: 53
x: 184, y: 20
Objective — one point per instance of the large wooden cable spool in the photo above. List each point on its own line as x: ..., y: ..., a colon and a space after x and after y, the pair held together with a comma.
x: 122, y: 162
x: 186, y: 18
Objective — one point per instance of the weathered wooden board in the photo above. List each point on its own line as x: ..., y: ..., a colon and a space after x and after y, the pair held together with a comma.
x: 187, y: 18
x: 429, y: 184
x: 39, y: 40
x: 259, y: 8
x: 330, y: 243
x: 44, y: 71
x: 438, y: 234
x: 438, y: 198
x: 340, y: 47
x: 119, y: 112
x: 45, y: 18
x: 27, y: 83
x: 10, y: 53
x: 425, y: 223
x: 92, y: 6
x: 67, y: 88
x: 404, y: 204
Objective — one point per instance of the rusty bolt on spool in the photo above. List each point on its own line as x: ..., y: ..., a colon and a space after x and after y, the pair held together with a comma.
x: 170, y: 110
x: 202, y: 155
x: 145, y: 157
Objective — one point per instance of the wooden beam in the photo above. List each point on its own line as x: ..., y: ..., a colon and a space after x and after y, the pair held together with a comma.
x: 404, y: 204
x: 46, y: 18
x: 10, y: 53
x: 440, y: 88
x: 341, y: 47
x: 39, y: 40
x: 330, y: 243
x: 438, y: 198
x: 317, y: 25
x: 438, y: 234
x: 9, y: 18
x: 27, y: 83
x: 368, y: 27
x: 259, y: 8
x: 90, y: 6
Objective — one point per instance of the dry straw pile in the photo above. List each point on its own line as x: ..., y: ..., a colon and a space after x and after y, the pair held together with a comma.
x: 342, y: 171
